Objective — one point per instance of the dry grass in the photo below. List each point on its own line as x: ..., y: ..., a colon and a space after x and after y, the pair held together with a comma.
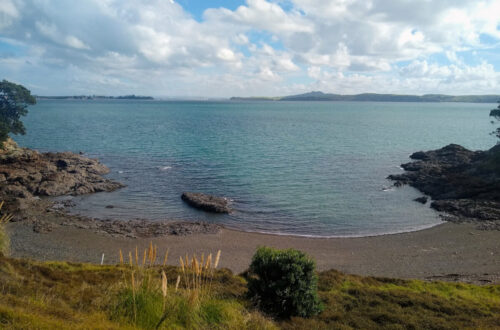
x: 194, y: 283
x: 61, y: 295
x: 147, y: 300
x: 4, y: 238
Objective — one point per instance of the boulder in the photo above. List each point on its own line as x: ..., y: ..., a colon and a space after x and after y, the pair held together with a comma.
x: 421, y: 200
x: 206, y: 202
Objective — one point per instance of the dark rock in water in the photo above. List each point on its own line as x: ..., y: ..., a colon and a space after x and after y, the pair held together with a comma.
x: 206, y: 202
x: 422, y: 199
x: 463, y: 183
x: 110, y: 206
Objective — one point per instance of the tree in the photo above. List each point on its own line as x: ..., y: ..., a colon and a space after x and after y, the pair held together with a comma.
x: 496, y: 114
x: 14, y: 101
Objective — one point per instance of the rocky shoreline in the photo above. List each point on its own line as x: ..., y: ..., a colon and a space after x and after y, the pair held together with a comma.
x: 47, y: 216
x: 27, y: 176
x: 462, y: 183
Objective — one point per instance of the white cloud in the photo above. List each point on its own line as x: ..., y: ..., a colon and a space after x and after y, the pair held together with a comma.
x: 50, y: 31
x: 8, y: 13
x: 259, y: 48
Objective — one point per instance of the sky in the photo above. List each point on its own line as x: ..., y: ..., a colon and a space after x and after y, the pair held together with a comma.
x: 222, y: 48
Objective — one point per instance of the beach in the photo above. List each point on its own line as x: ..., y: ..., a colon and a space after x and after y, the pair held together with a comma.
x: 45, y: 229
x: 453, y: 252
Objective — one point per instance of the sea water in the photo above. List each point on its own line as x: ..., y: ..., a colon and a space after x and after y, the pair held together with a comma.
x: 299, y: 168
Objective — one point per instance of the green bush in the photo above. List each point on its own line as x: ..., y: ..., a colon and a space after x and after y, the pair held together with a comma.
x: 283, y: 283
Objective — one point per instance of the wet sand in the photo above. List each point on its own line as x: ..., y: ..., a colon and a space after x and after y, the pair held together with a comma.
x: 445, y: 252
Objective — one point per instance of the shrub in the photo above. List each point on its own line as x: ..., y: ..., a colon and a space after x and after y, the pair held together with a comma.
x: 284, y: 283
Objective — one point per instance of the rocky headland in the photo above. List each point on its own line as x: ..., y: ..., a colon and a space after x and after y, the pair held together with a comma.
x: 463, y: 184
x: 27, y: 176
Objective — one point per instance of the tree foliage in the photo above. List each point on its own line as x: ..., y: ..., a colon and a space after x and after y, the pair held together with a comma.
x: 284, y: 283
x: 496, y: 114
x: 14, y: 101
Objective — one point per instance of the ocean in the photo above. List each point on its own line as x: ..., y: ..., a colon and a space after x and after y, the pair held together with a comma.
x: 295, y: 168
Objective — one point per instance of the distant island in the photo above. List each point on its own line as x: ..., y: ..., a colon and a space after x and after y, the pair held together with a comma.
x: 94, y: 97
x: 373, y: 97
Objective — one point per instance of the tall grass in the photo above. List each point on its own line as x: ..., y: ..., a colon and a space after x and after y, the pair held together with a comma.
x: 4, y: 238
x: 147, y: 301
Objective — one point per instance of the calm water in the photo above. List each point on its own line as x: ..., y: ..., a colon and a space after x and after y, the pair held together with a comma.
x: 304, y: 168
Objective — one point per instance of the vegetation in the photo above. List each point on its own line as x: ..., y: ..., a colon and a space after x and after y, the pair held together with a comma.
x: 56, y: 295
x: 96, y: 97
x: 356, y: 302
x: 14, y: 101
x: 284, y: 283
x: 4, y: 238
x: 61, y: 295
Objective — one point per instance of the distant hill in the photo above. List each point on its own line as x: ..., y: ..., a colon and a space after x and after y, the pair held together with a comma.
x: 95, y: 97
x: 373, y: 97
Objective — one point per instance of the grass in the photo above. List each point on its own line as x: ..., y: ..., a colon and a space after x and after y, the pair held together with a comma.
x: 355, y: 302
x: 4, y: 238
x: 61, y: 295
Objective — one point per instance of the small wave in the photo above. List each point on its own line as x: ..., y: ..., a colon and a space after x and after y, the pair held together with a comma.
x: 389, y: 188
x: 120, y: 172
x: 383, y: 233
x: 164, y: 168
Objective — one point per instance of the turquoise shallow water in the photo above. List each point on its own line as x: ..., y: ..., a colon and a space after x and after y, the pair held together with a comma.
x: 302, y: 168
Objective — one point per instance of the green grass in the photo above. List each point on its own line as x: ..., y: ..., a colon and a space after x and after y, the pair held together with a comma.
x: 61, y: 295
x: 355, y: 302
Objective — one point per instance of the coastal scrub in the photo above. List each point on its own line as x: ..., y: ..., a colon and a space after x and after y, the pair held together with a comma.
x: 55, y: 295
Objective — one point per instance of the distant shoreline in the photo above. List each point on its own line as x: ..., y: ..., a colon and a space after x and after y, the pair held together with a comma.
x: 374, y: 97
x: 312, y: 96
x: 95, y: 97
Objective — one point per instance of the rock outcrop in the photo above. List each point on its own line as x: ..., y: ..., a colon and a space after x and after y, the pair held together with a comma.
x: 463, y: 183
x: 421, y: 200
x: 26, y: 174
x: 206, y: 202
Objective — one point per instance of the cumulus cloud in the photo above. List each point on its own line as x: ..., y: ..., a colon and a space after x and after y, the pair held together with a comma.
x: 263, y: 47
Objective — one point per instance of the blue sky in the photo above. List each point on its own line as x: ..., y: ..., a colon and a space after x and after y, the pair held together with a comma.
x: 197, y: 7
x: 221, y: 48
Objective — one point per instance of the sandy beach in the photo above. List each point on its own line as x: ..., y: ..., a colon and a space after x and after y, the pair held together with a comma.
x: 456, y: 252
